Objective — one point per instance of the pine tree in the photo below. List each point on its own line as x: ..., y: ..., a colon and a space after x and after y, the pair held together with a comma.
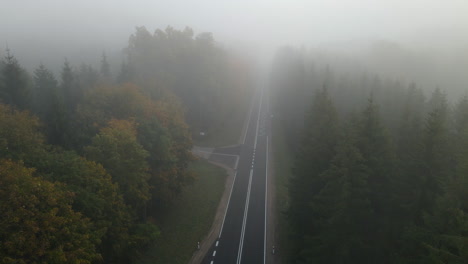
x: 342, y: 209
x: 105, y: 68
x: 125, y: 73
x: 68, y: 86
x: 461, y: 115
x: 317, y: 150
x: 408, y: 148
x: 49, y: 105
x: 437, y: 161
x: 15, y: 86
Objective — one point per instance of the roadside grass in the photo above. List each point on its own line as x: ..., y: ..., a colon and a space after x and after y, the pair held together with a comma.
x: 283, y: 159
x: 189, y: 219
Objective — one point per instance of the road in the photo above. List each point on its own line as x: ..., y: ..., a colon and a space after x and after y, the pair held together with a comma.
x: 242, y: 239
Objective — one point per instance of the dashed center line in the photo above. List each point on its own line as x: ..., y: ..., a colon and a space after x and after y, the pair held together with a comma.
x: 214, y: 253
x: 217, y: 242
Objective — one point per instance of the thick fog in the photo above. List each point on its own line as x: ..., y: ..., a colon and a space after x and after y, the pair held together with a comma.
x: 405, y: 39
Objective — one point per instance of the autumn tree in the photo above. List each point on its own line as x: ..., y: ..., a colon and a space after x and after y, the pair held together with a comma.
x: 161, y: 130
x: 20, y: 138
x: 117, y: 149
x: 38, y: 224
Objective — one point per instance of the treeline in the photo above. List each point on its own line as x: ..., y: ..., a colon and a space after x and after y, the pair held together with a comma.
x: 210, y: 82
x: 380, y: 174
x: 89, y: 159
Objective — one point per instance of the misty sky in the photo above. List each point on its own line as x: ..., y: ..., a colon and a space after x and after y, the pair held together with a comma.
x: 47, y: 31
x: 258, y: 21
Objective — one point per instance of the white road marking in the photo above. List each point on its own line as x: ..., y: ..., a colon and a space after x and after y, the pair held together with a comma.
x: 246, y: 208
x: 258, y: 118
x: 214, y: 253
x: 217, y: 242
x: 214, y: 153
x: 250, y: 116
x: 266, y: 202
x: 229, y: 201
x: 211, y: 262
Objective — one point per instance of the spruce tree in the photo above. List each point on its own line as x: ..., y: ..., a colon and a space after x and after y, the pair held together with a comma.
x: 105, y: 68
x: 68, y: 86
x: 437, y: 161
x: 49, y: 106
x: 342, y: 209
x: 14, y: 88
x: 316, y: 152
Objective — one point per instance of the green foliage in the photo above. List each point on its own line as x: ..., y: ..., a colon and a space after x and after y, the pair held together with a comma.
x: 38, y: 224
x: 136, y: 140
x: 20, y: 138
x: 160, y: 129
x: 117, y: 149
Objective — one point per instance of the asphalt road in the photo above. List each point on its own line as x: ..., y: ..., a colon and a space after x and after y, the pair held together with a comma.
x: 242, y: 237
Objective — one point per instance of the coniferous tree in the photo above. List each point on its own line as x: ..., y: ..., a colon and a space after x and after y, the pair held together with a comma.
x: 342, y: 209
x: 378, y: 158
x: 14, y: 88
x: 437, y: 161
x: 408, y: 149
x: 49, y: 105
x: 105, y: 68
x: 317, y: 150
x: 69, y: 86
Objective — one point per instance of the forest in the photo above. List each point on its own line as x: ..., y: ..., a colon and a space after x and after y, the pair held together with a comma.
x: 89, y: 159
x: 380, y: 166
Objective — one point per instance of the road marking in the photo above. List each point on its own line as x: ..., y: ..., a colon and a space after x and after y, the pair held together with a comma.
x: 217, y: 242
x: 250, y: 116
x: 214, y: 253
x: 214, y: 153
x: 246, y: 210
x: 229, y: 201
x: 266, y: 202
x: 258, y: 117
x: 211, y: 262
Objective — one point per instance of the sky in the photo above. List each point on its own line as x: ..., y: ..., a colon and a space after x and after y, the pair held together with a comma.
x: 47, y: 30
x: 261, y: 22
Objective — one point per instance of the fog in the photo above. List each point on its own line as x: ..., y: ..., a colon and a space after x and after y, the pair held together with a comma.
x: 434, y: 33
x: 341, y: 128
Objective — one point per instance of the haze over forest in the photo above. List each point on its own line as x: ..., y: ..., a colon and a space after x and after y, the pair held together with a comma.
x: 425, y: 41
